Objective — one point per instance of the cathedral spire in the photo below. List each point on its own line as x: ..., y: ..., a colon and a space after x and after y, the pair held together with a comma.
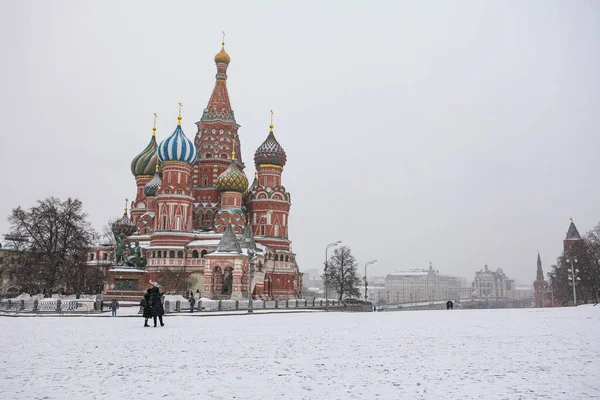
x: 219, y: 107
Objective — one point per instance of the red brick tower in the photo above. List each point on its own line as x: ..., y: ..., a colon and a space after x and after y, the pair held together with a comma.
x: 540, y: 286
x: 269, y: 202
x: 233, y: 184
x: 173, y: 222
x: 215, y: 140
x: 269, y: 206
x: 573, y: 238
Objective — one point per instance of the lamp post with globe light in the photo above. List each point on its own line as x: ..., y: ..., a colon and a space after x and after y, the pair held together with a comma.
x: 251, y: 256
x: 366, y: 284
x: 573, y: 278
x: 326, y: 279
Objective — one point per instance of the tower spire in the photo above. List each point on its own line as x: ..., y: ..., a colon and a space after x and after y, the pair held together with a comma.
x: 233, y: 150
x: 125, y: 212
x: 154, y: 127
x: 271, y: 126
x: 540, y: 271
x: 179, y: 116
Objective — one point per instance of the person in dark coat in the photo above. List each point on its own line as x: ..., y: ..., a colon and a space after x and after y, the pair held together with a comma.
x: 448, y: 305
x: 114, y: 306
x: 145, y: 303
x: 156, y: 306
x: 192, y: 301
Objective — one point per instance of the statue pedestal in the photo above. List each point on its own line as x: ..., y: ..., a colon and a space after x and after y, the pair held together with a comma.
x: 126, y: 284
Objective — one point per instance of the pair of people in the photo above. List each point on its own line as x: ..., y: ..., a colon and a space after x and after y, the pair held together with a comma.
x: 449, y: 305
x: 153, y: 306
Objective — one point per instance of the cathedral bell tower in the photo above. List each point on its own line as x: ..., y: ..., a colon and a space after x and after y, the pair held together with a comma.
x: 173, y: 222
x: 216, y: 139
x: 269, y: 202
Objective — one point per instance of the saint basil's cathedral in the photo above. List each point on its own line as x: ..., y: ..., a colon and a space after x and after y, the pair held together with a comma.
x: 196, y: 214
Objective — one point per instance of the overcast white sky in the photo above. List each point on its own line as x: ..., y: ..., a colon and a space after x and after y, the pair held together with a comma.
x: 461, y: 133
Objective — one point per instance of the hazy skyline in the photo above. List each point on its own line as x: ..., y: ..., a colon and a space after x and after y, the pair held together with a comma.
x: 462, y: 133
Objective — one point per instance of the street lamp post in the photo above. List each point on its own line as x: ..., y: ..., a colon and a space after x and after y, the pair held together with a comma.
x: 366, y: 295
x: 573, y: 278
x: 250, y: 276
x: 326, y: 279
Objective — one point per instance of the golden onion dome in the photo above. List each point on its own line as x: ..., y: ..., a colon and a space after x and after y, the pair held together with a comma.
x: 232, y: 180
x: 222, y: 56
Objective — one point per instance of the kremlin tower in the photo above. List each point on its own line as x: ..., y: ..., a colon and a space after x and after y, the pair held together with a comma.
x: 194, y: 214
x: 540, y: 286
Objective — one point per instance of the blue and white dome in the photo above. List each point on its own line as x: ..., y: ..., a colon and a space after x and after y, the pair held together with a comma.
x: 177, y: 147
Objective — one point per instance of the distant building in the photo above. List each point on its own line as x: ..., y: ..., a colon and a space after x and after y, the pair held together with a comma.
x: 524, y: 294
x: 376, y: 294
x: 415, y: 286
x: 492, y: 285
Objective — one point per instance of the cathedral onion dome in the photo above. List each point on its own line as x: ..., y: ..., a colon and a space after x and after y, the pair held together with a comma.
x: 143, y: 163
x: 222, y: 56
x: 177, y: 147
x: 152, y: 186
x: 270, y: 152
x: 232, y: 179
x: 123, y: 225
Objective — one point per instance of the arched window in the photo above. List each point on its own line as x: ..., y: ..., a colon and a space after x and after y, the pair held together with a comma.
x: 159, y: 253
x: 165, y: 254
x: 276, y: 258
x: 203, y: 253
x: 195, y: 254
x: 153, y: 254
x: 180, y: 254
x: 208, y: 155
x: 105, y: 256
x: 201, y: 217
x: 204, y: 181
x: 172, y: 254
x: 92, y: 257
x: 164, y: 222
x: 209, y: 217
x: 286, y: 258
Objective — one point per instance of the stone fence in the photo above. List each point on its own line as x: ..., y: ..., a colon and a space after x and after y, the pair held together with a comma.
x: 236, y: 305
x: 51, y: 306
x: 90, y: 306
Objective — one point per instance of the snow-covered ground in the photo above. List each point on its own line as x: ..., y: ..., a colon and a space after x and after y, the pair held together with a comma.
x: 459, y: 354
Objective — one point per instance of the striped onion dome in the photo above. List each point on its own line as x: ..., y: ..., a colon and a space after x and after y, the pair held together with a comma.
x: 152, y: 186
x: 177, y: 147
x: 144, y: 163
x: 270, y: 152
x: 232, y: 179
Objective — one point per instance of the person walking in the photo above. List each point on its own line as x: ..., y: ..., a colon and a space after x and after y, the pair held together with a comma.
x: 156, y: 306
x: 114, y: 306
x: 147, y: 311
x: 192, y: 301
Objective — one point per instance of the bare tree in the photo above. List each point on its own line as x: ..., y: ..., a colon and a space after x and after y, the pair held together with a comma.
x: 171, y: 280
x: 341, y: 273
x: 50, y: 243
